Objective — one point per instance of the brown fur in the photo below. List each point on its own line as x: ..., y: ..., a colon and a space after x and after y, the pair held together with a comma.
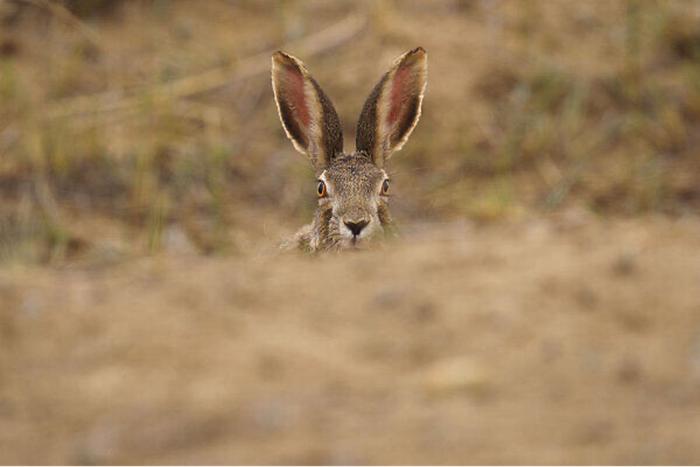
x: 354, y: 208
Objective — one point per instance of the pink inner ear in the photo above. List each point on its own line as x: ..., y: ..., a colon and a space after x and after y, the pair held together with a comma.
x: 398, y: 93
x: 296, y: 95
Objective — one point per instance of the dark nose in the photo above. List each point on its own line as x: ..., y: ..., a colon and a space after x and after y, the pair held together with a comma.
x: 356, y: 227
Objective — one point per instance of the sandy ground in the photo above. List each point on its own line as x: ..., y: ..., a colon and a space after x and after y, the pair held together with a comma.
x: 546, y: 341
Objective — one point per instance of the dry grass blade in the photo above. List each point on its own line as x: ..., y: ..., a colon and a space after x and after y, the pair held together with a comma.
x: 324, y: 40
x: 65, y: 15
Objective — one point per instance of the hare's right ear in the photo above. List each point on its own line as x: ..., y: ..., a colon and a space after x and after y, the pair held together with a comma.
x: 307, y: 115
x: 392, y: 110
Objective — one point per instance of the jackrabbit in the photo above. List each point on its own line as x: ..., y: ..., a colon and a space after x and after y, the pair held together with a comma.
x: 352, y: 188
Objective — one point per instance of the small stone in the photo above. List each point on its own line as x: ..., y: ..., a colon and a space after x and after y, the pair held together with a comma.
x: 598, y: 432
x: 424, y: 312
x: 388, y: 298
x: 456, y: 375
x: 629, y: 371
x: 625, y: 265
x: 176, y: 241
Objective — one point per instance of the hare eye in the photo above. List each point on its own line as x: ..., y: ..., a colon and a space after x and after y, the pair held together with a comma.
x: 321, y: 189
x: 385, y: 187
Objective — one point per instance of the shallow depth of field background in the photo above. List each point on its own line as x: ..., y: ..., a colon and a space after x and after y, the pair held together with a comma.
x: 543, y: 304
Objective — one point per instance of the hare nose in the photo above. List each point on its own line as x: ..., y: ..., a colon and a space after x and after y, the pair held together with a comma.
x: 356, y: 227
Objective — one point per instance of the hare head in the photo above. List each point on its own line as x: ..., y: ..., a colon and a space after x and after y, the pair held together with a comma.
x: 353, y: 187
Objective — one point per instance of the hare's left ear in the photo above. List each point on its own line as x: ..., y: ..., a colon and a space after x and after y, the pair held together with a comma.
x: 307, y: 115
x: 392, y: 110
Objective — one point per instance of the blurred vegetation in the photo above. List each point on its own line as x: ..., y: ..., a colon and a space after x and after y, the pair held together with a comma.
x: 129, y: 127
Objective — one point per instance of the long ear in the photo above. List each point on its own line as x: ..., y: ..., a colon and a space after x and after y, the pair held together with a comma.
x: 307, y: 115
x: 392, y: 110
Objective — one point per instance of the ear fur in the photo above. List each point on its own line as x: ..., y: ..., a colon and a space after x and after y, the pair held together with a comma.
x: 393, y: 108
x: 307, y: 115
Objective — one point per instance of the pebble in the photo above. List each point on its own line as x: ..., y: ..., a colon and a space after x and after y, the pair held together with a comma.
x: 458, y: 375
x: 625, y: 265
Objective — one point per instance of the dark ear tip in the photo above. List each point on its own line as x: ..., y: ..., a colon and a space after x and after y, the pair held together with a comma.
x: 413, y: 57
x: 418, y: 51
x: 282, y: 58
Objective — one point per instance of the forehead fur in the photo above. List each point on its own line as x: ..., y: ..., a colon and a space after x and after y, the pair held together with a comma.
x: 353, y: 171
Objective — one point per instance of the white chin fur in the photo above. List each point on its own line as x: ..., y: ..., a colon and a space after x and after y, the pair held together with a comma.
x: 347, y: 241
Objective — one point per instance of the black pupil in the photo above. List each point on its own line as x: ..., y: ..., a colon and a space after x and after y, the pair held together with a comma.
x: 385, y: 186
x: 321, y: 188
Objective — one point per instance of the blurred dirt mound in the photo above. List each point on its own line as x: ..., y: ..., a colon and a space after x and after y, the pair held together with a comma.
x: 562, y: 341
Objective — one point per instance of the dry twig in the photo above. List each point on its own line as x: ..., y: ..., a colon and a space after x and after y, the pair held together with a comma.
x: 65, y: 15
x: 322, y: 41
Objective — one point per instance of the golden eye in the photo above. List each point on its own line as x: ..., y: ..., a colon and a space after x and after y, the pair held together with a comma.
x: 385, y: 187
x: 321, y: 189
